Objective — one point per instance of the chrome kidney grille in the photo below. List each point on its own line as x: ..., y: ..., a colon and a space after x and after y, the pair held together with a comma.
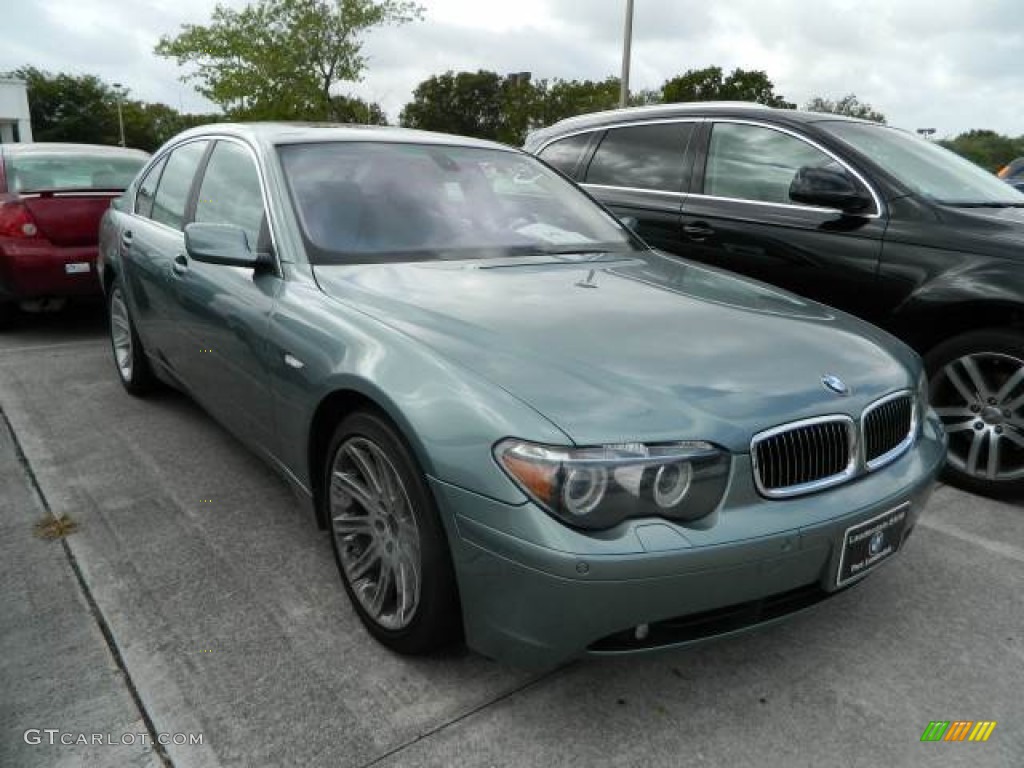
x: 805, y: 456
x: 889, y: 426
x: 814, y: 454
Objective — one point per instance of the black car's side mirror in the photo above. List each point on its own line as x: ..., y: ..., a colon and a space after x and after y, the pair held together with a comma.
x: 828, y: 188
x: 222, y: 244
x: 629, y: 222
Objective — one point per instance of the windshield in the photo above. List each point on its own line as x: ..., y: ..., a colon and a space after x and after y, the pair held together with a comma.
x: 925, y: 167
x: 372, y: 202
x: 32, y: 171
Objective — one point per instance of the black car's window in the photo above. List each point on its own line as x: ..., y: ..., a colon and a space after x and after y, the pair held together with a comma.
x: 389, y: 201
x: 230, y: 191
x: 147, y: 189
x: 924, y: 166
x: 750, y: 162
x: 565, y: 154
x: 175, y: 184
x: 642, y: 157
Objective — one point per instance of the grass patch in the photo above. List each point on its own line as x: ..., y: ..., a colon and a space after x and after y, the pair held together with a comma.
x: 55, y: 528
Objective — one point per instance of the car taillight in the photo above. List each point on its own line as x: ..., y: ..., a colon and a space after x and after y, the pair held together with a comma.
x: 16, y: 221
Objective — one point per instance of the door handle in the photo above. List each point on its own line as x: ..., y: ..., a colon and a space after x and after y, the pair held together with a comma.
x: 180, y: 264
x: 698, y: 231
x: 126, y: 238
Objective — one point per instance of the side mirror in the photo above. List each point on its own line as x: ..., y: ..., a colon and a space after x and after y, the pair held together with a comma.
x: 828, y: 188
x: 222, y: 244
x: 629, y: 222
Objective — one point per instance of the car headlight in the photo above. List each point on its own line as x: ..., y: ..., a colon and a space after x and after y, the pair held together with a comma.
x: 602, y: 486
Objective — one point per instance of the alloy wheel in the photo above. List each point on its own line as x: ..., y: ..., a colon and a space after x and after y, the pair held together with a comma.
x: 980, y: 398
x: 375, y: 530
x: 121, y: 334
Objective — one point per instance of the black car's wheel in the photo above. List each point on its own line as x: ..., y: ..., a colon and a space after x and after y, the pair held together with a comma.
x: 388, y: 538
x: 977, y: 387
x: 129, y: 358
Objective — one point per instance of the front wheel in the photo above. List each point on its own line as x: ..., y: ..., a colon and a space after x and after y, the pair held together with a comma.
x: 977, y: 388
x: 388, y: 538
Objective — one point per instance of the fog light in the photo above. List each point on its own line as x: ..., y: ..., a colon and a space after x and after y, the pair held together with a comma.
x: 642, y: 631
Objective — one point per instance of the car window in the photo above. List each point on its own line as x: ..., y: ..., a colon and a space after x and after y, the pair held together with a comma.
x: 642, y: 157
x: 175, y: 184
x: 230, y: 192
x: 371, y: 202
x: 924, y: 166
x: 565, y: 154
x: 98, y: 169
x: 147, y: 189
x: 750, y: 162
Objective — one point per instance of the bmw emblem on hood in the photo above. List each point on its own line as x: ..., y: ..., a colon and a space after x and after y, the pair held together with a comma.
x: 834, y: 384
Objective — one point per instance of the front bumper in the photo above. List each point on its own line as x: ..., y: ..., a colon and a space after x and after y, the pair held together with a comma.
x: 44, y: 270
x: 535, y: 593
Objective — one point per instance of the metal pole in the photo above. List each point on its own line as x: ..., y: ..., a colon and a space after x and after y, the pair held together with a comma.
x: 627, y: 45
x: 120, y: 116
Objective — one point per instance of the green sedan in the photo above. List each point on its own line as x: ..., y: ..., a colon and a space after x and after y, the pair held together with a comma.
x: 520, y: 425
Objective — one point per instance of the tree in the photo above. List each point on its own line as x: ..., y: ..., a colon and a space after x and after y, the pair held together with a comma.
x: 280, y: 59
x: 470, y: 104
x: 708, y: 84
x: 349, y: 109
x: 75, y: 108
x: 849, y: 105
x: 988, y: 149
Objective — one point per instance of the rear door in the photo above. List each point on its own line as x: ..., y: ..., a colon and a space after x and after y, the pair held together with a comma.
x: 739, y: 216
x: 641, y: 171
x: 152, y: 246
x: 224, y: 312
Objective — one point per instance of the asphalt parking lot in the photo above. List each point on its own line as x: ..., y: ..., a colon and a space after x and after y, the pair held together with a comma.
x: 194, y: 598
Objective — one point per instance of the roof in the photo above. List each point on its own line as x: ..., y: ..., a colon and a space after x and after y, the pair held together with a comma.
x: 306, y: 133
x: 56, y: 148
x: 746, y: 109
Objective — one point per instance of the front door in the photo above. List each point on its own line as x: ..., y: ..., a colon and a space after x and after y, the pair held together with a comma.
x: 739, y: 216
x: 226, y: 310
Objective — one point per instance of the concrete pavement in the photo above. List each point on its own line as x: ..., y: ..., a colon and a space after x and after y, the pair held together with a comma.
x: 224, y: 604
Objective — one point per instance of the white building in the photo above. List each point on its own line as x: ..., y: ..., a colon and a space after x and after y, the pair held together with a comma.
x: 15, y: 121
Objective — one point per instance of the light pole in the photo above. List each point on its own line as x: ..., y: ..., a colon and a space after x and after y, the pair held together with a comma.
x: 627, y: 45
x: 120, y: 116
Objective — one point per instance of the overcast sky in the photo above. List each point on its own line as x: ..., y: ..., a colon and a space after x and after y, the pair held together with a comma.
x: 951, y: 65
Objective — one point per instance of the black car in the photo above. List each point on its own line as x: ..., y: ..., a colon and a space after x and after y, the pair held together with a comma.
x: 870, y: 219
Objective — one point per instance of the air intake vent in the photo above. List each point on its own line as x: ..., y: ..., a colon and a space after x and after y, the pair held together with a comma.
x: 889, y: 428
x: 805, y: 456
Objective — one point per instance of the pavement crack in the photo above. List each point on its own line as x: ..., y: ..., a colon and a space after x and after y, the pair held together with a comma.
x: 468, y: 714
x: 94, y: 609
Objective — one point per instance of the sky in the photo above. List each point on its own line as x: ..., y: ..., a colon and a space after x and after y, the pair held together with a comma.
x: 951, y: 65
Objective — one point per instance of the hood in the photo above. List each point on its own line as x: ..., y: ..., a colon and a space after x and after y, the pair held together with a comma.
x: 997, y: 232
x: 650, y: 348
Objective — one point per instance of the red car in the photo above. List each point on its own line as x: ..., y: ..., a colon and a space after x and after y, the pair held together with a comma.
x: 52, y: 197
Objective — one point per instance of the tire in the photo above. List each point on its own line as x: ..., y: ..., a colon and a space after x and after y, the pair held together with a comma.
x: 130, y: 360
x: 382, y: 520
x: 977, y: 388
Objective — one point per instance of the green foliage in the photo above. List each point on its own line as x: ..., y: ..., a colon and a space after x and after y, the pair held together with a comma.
x: 487, y: 105
x: 83, y: 109
x: 279, y: 59
x: 349, y: 109
x: 988, y: 149
x: 709, y: 84
x: 849, y: 105
x: 75, y: 108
